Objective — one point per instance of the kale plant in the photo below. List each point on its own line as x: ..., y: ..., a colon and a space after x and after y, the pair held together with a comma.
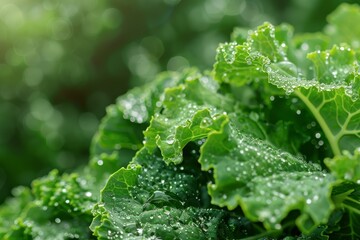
x: 266, y: 145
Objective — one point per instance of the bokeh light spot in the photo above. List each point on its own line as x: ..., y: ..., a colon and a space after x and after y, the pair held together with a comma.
x: 153, y: 45
x: 62, y: 29
x: 142, y: 66
x: 41, y: 109
x: 88, y: 123
x: 177, y: 63
x: 111, y: 18
x: 33, y: 76
x: 12, y: 16
x: 52, y: 51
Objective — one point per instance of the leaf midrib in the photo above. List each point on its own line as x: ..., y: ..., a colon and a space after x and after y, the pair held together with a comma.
x: 322, y: 122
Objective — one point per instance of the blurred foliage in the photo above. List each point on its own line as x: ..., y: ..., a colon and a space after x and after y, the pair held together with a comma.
x: 62, y: 62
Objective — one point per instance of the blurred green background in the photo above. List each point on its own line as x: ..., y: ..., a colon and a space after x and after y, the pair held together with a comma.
x: 62, y: 62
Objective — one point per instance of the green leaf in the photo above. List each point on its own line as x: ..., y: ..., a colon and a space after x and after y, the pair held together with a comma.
x: 40, y: 223
x: 114, y: 144
x: 117, y: 135
x: 59, y: 207
x: 337, y: 114
x: 154, y: 200
x: 234, y: 64
x: 120, y: 132
x: 190, y: 112
x: 341, y: 27
x: 11, y: 209
x: 347, y: 196
x: 336, y: 66
x: 66, y: 193
x: 220, y: 149
x: 346, y: 166
x: 267, y: 183
x: 128, y: 205
x: 303, y: 44
x: 331, y: 94
x: 239, y: 35
x: 332, y: 97
x: 241, y: 64
x: 140, y: 103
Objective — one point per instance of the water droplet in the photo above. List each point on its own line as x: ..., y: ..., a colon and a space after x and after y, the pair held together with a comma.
x: 100, y: 162
x: 287, y: 68
x: 298, y: 112
x: 304, y: 46
x: 57, y: 220
x: 254, y: 116
x: 349, y: 92
x: 289, y: 91
x: 318, y: 135
x: 140, y: 231
x: 88, y: 194
x: 170, y: 139
x: 206, y: 122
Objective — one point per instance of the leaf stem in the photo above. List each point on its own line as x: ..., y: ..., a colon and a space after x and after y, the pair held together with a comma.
x: 324, y: 126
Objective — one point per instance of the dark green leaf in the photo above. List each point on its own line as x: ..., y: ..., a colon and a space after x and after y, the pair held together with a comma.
x: 267, y: 183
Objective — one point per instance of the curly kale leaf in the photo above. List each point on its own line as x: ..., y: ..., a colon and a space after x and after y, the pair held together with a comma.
x: 329, y: 88
x: 152, y: 200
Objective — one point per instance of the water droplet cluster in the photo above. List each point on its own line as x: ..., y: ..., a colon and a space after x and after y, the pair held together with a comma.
x: 228, y: 51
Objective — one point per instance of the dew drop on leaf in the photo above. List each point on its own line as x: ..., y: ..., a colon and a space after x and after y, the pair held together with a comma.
x: 206, y: 122
x: 304, y: 46
x: 170, y: 139
x: 288, y: 68
x: 140, y: 231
